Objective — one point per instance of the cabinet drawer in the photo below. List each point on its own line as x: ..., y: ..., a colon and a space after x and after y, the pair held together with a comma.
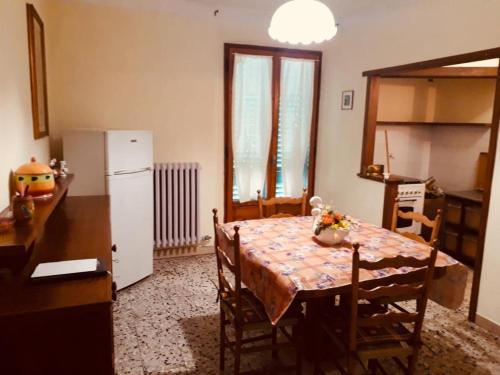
x: 473, y: 217
x: 469, y: 246
x: 451, y: 240
x: 453, y: 212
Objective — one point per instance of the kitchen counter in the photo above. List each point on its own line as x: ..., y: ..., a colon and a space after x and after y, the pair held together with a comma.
x: 393, y: 179
x: 471, y: 195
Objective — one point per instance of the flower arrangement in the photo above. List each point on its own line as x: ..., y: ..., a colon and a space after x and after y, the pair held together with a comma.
x: 332, y: 219
x: 330, y: 227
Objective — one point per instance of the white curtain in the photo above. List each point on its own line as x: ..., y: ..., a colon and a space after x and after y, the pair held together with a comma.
x: 251, y: 122
x: 296, y: 100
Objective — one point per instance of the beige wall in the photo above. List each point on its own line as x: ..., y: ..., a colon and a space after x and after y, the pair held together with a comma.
x: 16, y: 130
x: 455, y: 155
x: 375, y: 41
x: 410, y: 148
x: 465, y: 100
x: 407, y: 99
x: 448, y: 153
x: 441, y: 100
x: 126, y: 68
x: 399, y: 36
x: 419, y: 31
x: 489, y: 302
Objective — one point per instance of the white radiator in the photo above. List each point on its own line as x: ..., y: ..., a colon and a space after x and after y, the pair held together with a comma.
x: 177, y: 192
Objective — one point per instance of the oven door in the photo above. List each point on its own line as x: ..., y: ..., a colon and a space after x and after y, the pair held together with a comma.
x: 407, y: 225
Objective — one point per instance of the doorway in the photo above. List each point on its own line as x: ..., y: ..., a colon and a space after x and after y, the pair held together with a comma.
x: 442, y: 109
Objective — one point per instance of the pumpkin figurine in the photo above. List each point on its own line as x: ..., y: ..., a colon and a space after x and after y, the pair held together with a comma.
x: 38, y: 176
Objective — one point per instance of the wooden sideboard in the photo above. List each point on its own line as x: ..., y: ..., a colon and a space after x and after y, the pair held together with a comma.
x: 63, y: 326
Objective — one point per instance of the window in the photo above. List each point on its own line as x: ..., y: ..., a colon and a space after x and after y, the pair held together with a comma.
x: 271, y: 107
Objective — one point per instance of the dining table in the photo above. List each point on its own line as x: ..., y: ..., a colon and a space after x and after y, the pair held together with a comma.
x: 282, y: 262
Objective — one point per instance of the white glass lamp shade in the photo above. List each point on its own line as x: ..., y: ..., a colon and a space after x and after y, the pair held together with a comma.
x: 302, y: 21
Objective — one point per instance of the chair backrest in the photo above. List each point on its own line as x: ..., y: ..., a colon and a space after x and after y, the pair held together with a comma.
x: 418, y: 217
x: 270, y: 206
x: 227, y: 251
x: 380, y: 292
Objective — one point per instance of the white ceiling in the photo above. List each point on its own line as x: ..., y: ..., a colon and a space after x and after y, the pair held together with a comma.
x: 342, y: 8
x: 256, y: 11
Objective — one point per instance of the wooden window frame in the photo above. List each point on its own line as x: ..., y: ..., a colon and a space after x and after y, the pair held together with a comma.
x: 370, y: 125
x: 250, y: 209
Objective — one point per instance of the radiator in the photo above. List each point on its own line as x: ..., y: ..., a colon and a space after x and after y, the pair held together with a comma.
x: 176, y: 194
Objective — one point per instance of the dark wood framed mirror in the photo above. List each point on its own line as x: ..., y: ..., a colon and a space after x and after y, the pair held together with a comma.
x: 38, y: 73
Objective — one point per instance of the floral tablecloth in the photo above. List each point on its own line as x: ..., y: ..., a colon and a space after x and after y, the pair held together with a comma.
x: 279, y: 258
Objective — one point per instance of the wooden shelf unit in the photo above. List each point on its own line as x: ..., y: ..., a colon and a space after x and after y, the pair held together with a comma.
x: 16, y: 245
x: 448, y: 72
x: 461, y: 225
x: 416, y: 123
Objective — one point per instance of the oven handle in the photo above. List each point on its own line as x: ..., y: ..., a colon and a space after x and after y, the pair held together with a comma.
x: 405, y: 200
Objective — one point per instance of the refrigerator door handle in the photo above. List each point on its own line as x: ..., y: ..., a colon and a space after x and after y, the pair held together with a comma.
x: 134, y: 171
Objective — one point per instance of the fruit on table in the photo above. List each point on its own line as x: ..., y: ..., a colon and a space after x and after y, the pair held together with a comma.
x: 38, y: 176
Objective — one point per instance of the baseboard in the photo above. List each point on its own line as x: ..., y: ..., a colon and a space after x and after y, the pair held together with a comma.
x: 487, y: 324
x: 174, y: 252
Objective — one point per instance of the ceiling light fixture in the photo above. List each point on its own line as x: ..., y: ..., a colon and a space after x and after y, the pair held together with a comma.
x: 302, y: 21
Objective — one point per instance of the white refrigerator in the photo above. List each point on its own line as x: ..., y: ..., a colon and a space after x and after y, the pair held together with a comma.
x: 118, y: 163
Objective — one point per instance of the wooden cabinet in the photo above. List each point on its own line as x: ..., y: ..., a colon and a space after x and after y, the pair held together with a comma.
x: 461, y: 225
x: 64, y: 326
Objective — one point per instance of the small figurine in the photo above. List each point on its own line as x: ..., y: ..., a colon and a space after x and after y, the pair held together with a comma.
x: 22, y: 205
x: 63, y: 169
x: 317, y: 205
x: 53, y: 166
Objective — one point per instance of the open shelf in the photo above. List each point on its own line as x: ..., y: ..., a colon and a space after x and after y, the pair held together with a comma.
x: 416, y: 123
x: 15, y: 244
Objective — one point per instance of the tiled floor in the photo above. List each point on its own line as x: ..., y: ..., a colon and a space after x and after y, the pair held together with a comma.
x: 168, y: 324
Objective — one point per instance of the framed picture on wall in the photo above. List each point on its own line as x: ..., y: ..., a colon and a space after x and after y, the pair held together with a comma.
x: 38, y: 73
x: 347, y: 99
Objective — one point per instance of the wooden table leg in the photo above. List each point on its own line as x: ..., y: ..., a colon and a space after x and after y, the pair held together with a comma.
x: 312, y: 331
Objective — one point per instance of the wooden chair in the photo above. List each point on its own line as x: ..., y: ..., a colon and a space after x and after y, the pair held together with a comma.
x: 241, y: 310
x: 270, y: 205
x: 374, y: 325
x: 416, y: 216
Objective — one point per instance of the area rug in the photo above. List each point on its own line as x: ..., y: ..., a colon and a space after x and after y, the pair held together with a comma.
x: 168, y: 324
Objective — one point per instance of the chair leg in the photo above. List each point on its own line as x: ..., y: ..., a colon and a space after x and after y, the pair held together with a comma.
x: 318, y: 352
x: 372, y: 366
x: 274, y: 340
x: 298, y: 354
x: 222, y: 343
x: 412, y: 361
x: 351, y: 364
x: 237, y: 349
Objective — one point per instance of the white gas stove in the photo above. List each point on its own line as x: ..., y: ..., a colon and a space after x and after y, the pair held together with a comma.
x: 410, y: 199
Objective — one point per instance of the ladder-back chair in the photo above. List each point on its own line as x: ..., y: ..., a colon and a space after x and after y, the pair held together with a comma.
x: 270, y: 207
x: 241, y: 310
x: 375, y: 326
x: 418, y: 217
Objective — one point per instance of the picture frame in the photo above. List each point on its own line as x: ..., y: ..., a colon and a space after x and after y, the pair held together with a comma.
x: 38, y: 73
x: 347, y: 100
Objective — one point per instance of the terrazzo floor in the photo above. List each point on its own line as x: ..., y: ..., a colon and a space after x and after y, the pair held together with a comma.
x: 168, y: 324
